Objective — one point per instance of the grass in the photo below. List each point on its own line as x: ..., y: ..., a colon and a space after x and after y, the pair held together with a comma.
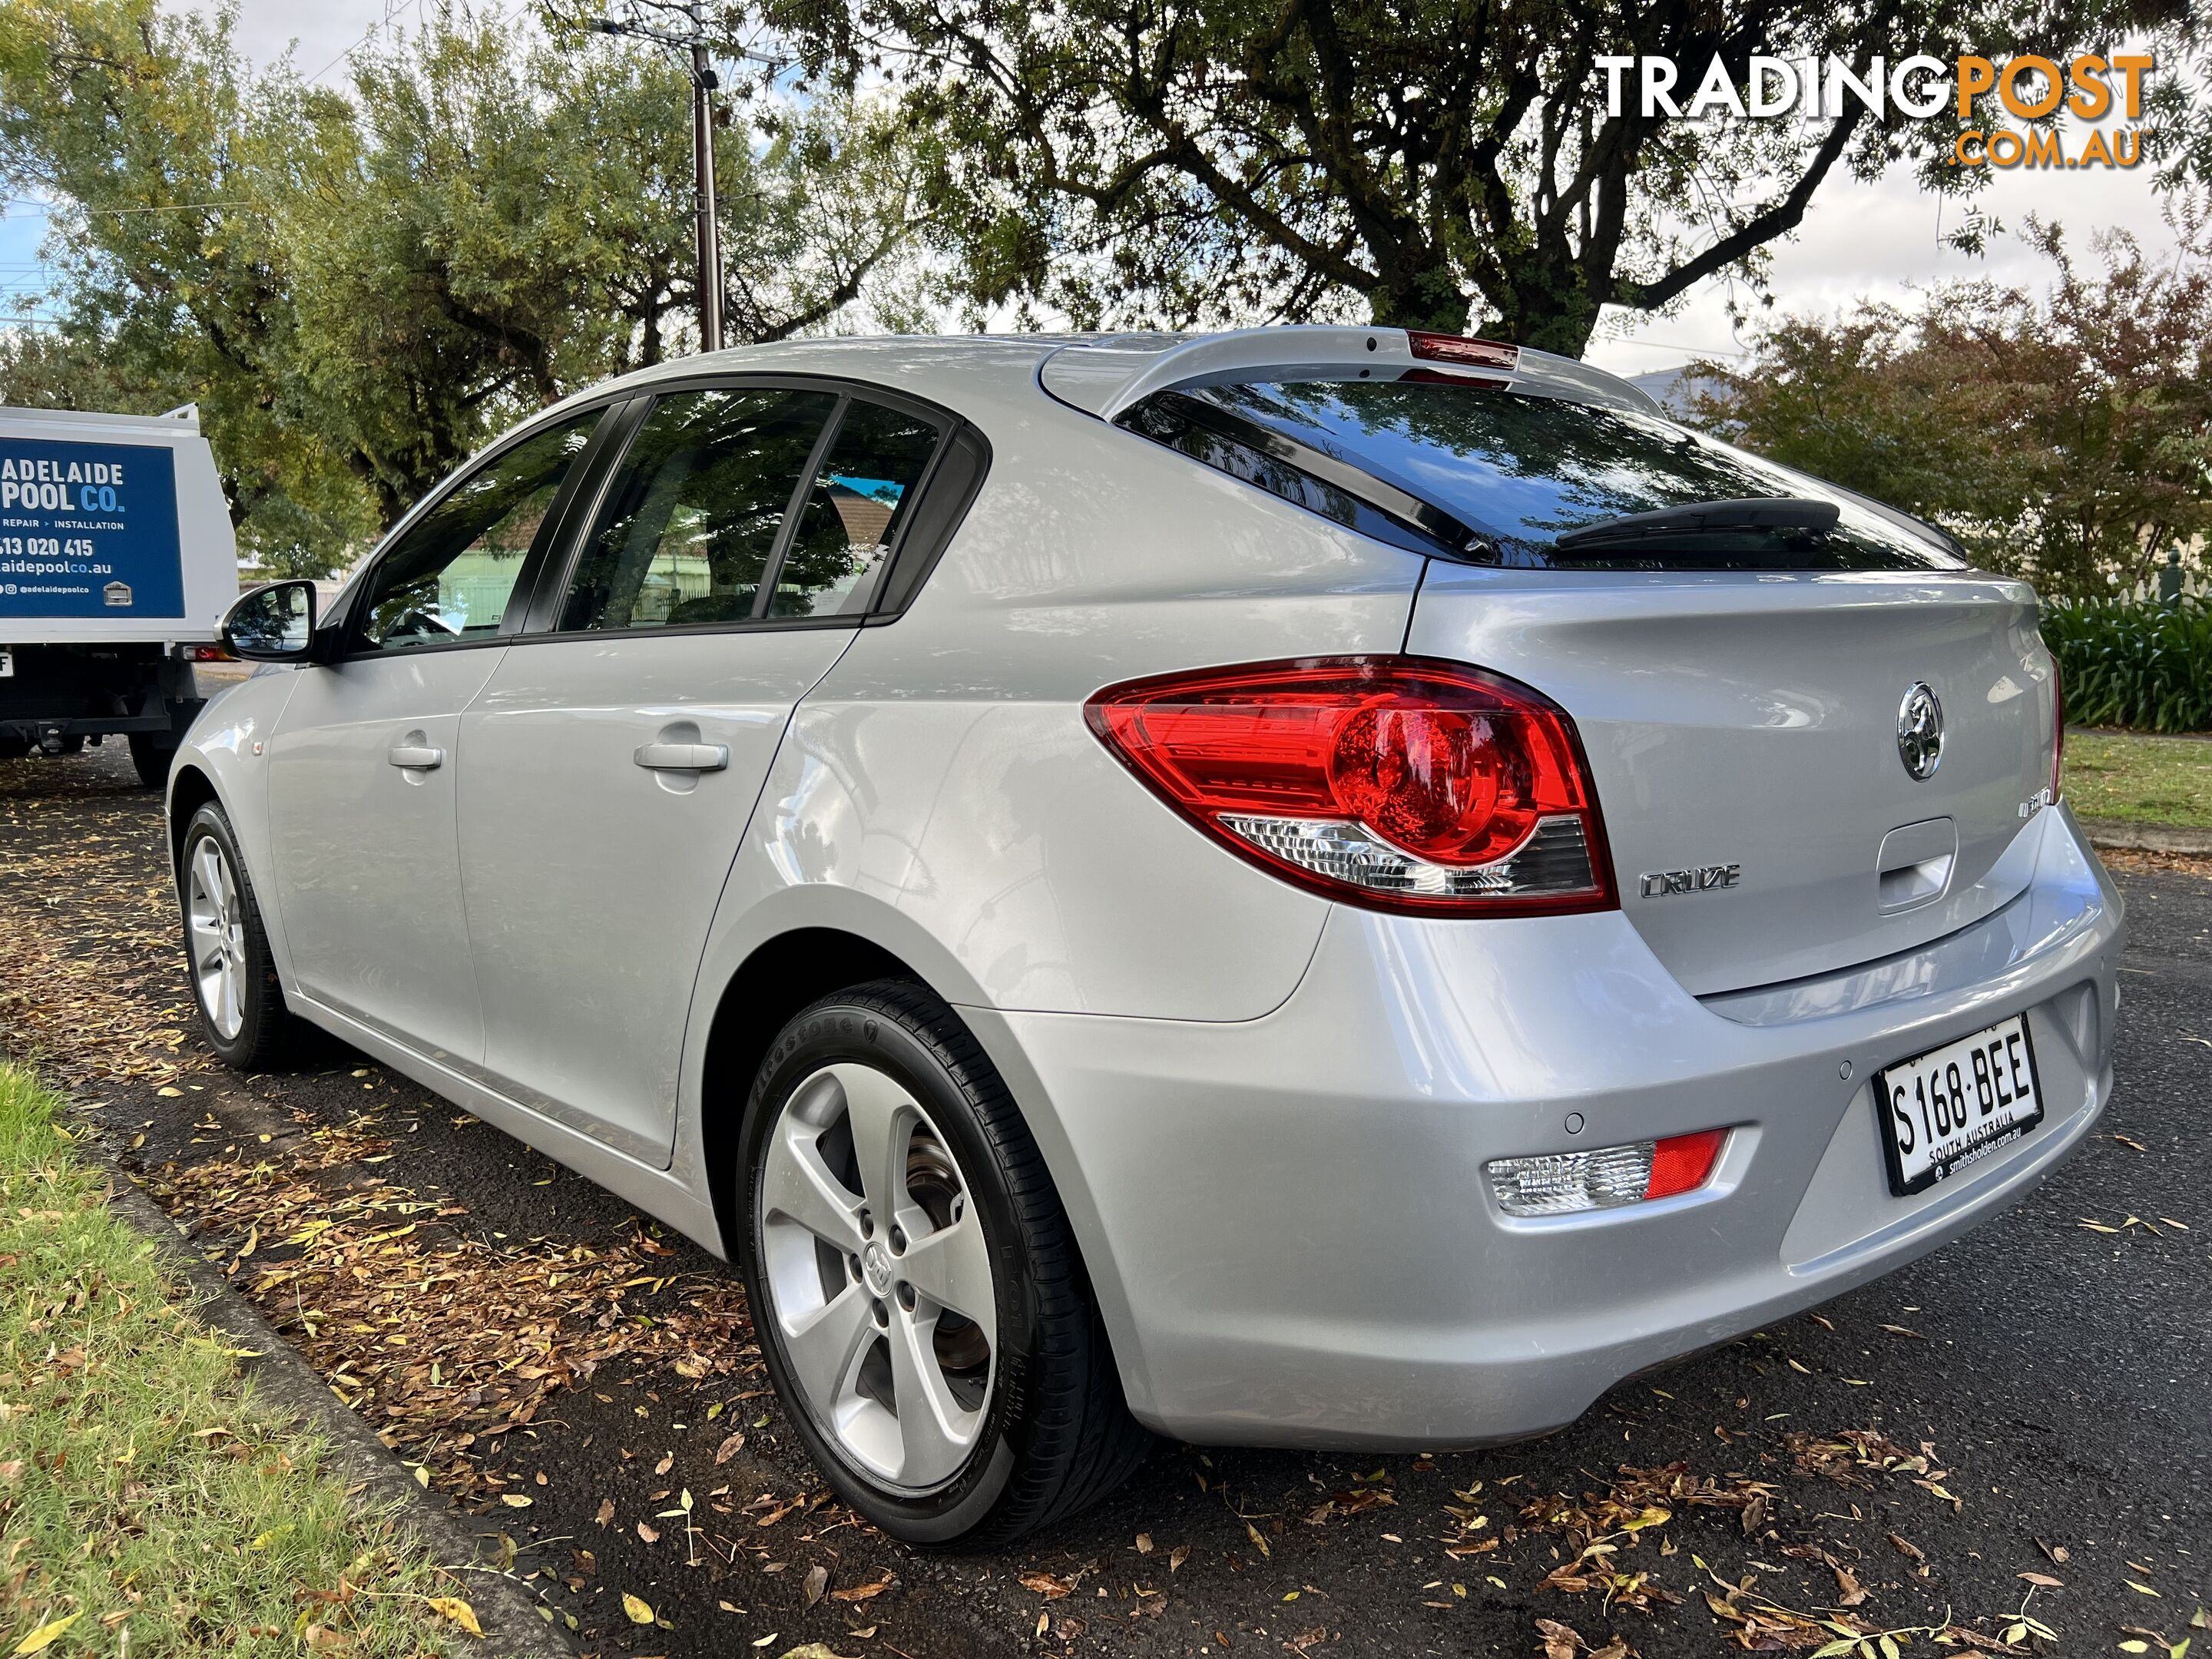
x: 2145, y: 780
x: 148, y: 1503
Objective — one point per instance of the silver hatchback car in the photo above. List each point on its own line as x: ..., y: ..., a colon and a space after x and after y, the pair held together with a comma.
x: 1321, y: 887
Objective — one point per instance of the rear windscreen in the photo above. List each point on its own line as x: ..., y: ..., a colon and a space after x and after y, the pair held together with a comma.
x: 1520, y: 470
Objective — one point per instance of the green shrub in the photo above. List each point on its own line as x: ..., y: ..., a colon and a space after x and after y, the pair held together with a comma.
x: 2132, y: 664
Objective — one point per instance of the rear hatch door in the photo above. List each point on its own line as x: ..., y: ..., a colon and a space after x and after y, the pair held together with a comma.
x: 1744, y: 734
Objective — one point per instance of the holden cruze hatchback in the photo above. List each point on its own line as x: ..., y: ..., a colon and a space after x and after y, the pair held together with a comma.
x: 1316, y: 887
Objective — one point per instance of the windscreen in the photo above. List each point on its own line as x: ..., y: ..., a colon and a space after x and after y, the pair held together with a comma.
x: 1521, y: 470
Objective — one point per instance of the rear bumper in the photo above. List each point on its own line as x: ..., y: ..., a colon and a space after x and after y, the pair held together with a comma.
x: 1287, y: 1220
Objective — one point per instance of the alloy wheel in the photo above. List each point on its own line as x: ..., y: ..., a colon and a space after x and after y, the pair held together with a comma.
x: 215, y: 928
x: 873, y: 1256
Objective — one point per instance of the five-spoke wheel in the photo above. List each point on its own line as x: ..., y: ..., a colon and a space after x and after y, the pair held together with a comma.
x: 215, y: 935
x: 881, y: 1279
x: 242, y: 1010
x: 915, y: 1289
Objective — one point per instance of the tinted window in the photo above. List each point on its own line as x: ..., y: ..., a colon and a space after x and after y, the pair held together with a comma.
x: 694, y: 514
x: 854, y: 511
x: 1522, y: 468
x: 449, y: 577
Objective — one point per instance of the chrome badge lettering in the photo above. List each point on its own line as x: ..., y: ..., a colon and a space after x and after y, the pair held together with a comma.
x: 1658, y: 883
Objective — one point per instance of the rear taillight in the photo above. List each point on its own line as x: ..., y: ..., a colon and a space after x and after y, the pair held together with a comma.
x: 1394, y: 782
x: 1461, y: 348
x: 2058, y: 729
x: 1562, y: 1184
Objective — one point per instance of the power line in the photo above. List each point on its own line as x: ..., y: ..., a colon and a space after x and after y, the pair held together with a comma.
x: 391, y: 14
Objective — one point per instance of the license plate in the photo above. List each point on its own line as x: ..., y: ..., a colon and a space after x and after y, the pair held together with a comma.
x: 1945, y: 1109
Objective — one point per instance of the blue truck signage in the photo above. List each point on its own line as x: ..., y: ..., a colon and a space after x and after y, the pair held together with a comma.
x: 88, y: 530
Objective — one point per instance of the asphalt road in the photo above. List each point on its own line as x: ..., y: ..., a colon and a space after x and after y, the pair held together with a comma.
x: 2037, y: 1392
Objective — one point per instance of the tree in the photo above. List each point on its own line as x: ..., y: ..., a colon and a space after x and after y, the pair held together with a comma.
x: 174, y: 282
x: 360, y: 287
x: 2065, y: 435
x: 1424, y: 161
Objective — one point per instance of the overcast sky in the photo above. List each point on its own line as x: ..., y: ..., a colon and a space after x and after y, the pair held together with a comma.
x: 1877, y: 240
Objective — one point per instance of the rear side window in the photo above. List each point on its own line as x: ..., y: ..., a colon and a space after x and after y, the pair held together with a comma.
x: 695, y: 512
x: 449, y: 576
x: 854, y: 511
x: 1519, y: 470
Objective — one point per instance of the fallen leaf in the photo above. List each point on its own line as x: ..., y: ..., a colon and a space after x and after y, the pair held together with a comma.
x: 1560, y: 1641
x: 730, y: 1448
x: 666, y: 1463
x: 2145, y: 1588
x: 1046, y: 1585
x: 606, y: 1510
x: 1904, y: 1549
x: 1144, y: 1539
x: 47, y: 1634
x: 639, y: 1609
x: 1849, y: 1592
x: 863, y: 1592
x: 1177, y: 1556
x: 459, y: 1612
x: 1258, y: 1542
x: 514, y: 1500
x: 2042, y: 1579
x: 818, y: 1580
x: 650, y: 1535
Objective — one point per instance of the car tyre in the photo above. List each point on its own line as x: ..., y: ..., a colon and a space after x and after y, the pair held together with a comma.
x: 151, y: 755
x: 233, y: 979
x: 964, y: 1418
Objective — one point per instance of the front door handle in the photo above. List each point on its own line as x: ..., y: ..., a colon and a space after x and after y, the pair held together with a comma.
x: 416, y: 756
x: 683, y: 757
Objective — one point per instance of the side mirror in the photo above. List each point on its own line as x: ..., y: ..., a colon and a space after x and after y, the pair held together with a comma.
x: 275, y: 624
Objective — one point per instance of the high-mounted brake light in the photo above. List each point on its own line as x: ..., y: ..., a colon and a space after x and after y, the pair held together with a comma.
x: 1460, y: 349
x: 1562, y: 1183
x: 1397, y: 783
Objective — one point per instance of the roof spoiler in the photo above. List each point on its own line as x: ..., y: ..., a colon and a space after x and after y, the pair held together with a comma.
x: 1109, y: 376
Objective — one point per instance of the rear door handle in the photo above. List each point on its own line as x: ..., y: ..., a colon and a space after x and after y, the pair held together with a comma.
x: 683, y: 757
x: 416, y: 756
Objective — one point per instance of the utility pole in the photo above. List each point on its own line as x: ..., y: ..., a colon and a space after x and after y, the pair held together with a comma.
x: 708, y: 227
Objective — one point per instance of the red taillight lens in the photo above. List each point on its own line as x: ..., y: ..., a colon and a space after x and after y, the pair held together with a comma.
x: 2057, y: 730
x: 1460, y: 349
x: 1395, y: 783
x: 1680, y: 1164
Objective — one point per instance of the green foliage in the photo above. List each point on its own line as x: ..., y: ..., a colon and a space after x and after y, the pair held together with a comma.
x: 1424, y: 162
x: 359, y: 288
x: 149, y: 1503
x: 2065, y: 436
x: 2135, y: 663
x: 159, y: 151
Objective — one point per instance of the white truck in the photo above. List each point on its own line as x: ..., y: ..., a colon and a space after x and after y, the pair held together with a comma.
x: 116, y: 562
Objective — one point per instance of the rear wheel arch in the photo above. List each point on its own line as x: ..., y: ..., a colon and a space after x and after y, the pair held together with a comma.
x: 780, y: 977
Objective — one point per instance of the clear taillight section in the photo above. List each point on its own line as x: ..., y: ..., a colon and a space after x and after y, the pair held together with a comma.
x: 1395, y: 783
x: 1562, y: 1183
x: 2057, y: 731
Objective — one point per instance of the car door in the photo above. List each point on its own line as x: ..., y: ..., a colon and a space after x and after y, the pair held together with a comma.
x: 363, y: 761
x: 615, y: 760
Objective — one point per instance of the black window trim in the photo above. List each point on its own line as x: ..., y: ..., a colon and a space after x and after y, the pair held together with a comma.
x: 544, y: 610
x: 551, y: 564
x: 344, y: 623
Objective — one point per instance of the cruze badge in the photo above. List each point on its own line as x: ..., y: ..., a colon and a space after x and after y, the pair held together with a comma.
x: 1920, y: 731
x: 1706, y: 878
